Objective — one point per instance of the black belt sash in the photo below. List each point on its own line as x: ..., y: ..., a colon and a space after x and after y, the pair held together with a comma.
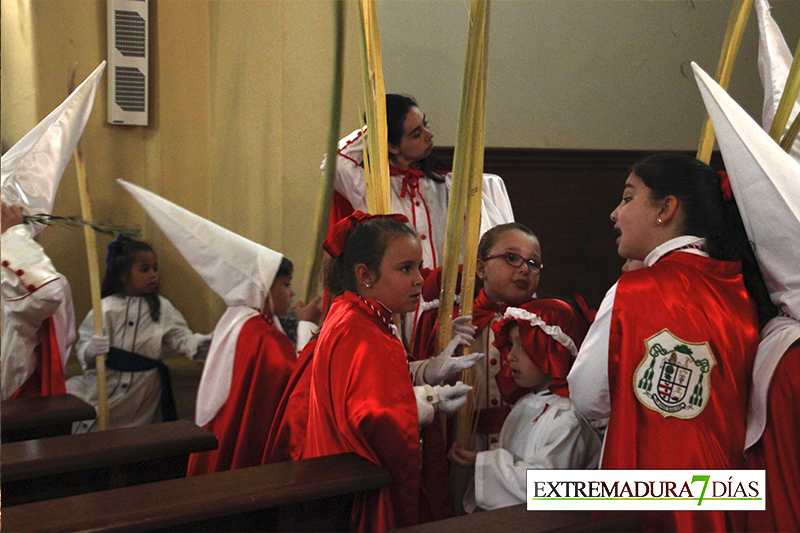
x: 125, y: 361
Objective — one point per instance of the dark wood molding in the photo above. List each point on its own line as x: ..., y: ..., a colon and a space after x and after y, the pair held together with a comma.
x: 497, y: 157
x: 307, y: 495
x: 66, y: 465
x: 517, y: 518
x: 566, y: 197
x: 42, y: 416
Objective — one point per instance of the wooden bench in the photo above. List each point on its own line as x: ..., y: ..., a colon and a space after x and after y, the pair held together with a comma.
x: 55, y: 467
x: 44, y: 416
x: 306, y: 495
x: 520, y: 520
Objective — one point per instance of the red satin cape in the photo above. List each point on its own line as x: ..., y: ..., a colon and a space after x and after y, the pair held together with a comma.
x: 288, y: 432
x: 361, y: 400
x: 698, y: 300
x: 47, y: 379
x: 778, y: 451
x: 263, y: 362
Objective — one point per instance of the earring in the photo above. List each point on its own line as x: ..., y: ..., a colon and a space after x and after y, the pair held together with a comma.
x: 368, y: 285
x: 658, y: 221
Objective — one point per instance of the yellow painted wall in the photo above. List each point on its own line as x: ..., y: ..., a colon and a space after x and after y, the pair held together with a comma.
x: 586, y: 74
x: 17, y: 82
x: 239, y: 105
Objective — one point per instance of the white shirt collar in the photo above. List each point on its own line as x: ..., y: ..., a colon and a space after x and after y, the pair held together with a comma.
x: 673, y: 244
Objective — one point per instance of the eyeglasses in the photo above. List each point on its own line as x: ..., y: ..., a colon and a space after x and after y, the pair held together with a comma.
x: 516, y: 260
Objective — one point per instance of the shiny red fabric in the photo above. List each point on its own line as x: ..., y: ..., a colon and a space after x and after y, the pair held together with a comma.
x: 552, y: 357
x: 491, y: 420
x: 47, y: 379
x: 588, y: 314
x: 288, y: 432
x: 341, y: 208
x: 362, y: 400
x: 484, y: 310
x: 699, y: 300
x: 263, y: 362
x: 778, y: 451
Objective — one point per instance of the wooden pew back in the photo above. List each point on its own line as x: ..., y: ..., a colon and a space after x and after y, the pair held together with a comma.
x: 44, y: 416
x: 40, y: 469
x: 520, y: 520
x: 305, y: 495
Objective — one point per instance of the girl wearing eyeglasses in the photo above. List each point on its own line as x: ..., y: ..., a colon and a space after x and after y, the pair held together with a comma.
x: 508, y: 268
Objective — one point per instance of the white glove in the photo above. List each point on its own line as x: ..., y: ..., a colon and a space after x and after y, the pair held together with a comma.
x: 97, y: 345
x: 203, y: 345
x: 599, y: 426
x: 204, y: 342
x: 462, y: 327
x: 445, y: 365
x: 451, y: 397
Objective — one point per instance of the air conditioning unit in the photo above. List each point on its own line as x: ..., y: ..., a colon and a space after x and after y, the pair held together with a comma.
x: 128, y: 52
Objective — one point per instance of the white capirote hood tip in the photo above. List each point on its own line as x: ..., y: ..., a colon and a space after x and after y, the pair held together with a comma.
x: 237, y: 269
x: 766, y: 186
x: 32, y: 168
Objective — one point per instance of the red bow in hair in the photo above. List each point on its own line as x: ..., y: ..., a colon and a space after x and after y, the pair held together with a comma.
x: 725, y: 185
x: 334, y: 244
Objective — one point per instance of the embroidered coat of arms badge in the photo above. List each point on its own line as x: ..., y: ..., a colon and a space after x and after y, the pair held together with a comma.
x: 673, y: 378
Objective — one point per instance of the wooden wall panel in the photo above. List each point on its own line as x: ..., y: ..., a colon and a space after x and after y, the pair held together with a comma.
x: 566, y: 198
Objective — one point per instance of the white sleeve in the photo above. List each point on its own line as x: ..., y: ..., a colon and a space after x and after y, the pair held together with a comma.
x: 64, y: 320
x: 85, y: 332
x: 495, y: 205
x: 350, y: 181
x: 500, y: 479
x: 417, y: 370
x: 305, y: 332
x: 559, y: 443
x: 588, y: 379
x: 426, y: 399
x: 32, y: 291
x: 30, y: 285
x: 179, y: 337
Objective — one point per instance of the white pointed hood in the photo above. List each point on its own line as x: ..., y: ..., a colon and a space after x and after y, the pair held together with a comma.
x: 32, y: 168
x: 766, y: 185
x: 774, y: 63
x: 237, y: 269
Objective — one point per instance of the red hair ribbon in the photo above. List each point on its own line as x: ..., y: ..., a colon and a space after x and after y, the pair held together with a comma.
x: 725, y: 185
x: 334, y: 244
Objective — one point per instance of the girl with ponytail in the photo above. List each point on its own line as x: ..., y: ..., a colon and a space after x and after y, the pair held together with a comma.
x: 670, y: 353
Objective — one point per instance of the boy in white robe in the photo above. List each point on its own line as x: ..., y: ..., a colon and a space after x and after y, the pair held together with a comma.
x: 543, y: 430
